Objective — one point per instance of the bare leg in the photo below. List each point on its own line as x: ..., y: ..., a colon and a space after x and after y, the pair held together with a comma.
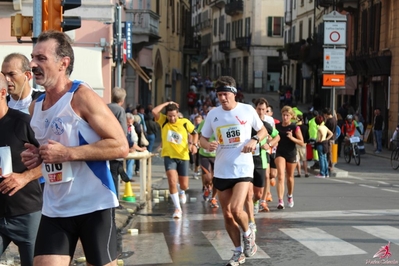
x: 290, y: 177
x: 280, y: 164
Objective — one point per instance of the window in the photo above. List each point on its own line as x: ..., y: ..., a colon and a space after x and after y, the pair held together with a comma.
x: 178, y: 18
x: 310, y: 26
x: 294, y: 3
x: 300, y: 30
x: 247, y: 27
x: 233, y: 30
x: 302, y: 2
x: 228, y: 32
x: 221, y: 25
x: 215, y: 27
x: 293, y: 34
x: 275, y: 26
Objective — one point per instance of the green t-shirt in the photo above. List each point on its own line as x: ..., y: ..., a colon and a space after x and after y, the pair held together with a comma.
x: 202, y: 151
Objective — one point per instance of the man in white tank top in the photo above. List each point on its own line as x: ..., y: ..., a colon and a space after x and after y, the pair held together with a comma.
x: 77, y: 134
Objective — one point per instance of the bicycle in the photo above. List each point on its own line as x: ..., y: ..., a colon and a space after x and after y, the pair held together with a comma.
x: 351, y: 149
x: 395, y: 157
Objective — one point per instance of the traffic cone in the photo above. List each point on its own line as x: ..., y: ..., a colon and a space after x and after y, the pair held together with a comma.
x: 128, y: 195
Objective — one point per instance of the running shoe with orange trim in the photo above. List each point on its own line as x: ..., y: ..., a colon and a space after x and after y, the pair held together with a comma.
x: 263, y: 206
x: 269, y: 197
x: 273, y: 182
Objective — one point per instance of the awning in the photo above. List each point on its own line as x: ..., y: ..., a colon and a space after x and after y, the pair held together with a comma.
x: 87, y: 66
x: 140, y: 71
x: 206, y: 61
x: 350, y: 86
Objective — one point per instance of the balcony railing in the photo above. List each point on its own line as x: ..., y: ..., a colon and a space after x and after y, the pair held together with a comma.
x: 234, y: 8
x: 224, y: 46
x: 243, y: 43
x: 145, y: 22
x: 288, y: 18
x: 217, y: 3
x: 326, y: 3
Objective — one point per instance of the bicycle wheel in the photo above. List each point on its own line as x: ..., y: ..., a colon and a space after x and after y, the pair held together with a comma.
x: 347, y: 153
x: 356, y: 155
x: 395, y: 159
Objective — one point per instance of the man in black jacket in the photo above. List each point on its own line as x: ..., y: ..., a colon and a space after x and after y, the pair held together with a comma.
x: 20, y: 191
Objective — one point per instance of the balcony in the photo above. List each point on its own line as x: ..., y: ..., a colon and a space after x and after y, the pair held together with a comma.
x: 349, y: 5
x: 293, y: 50
x: 206, y: 23
x: 204, y: 50
x: 191, y: 42
x: 235, y: 7
x: 145, y: 28
x: 224, y: 47
x: 217, y: 4
x: 243, y: 43
x: 379, y: 64
x: 288, y: 18
x: 326, y: 3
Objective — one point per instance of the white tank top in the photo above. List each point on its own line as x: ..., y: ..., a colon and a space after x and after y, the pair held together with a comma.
x: 77, y: 187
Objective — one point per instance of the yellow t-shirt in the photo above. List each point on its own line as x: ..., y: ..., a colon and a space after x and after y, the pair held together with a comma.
x: 175, y: 137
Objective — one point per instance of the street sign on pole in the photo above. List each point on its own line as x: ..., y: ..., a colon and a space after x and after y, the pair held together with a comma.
x: 335, y: 33
x: 334, y: 80
x: 334, y: 59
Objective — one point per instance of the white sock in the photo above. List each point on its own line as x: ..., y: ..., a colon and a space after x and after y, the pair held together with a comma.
x: 289, y: 196
x: 238, y: 249
x: 181, y: 192
x: 247, y: 233
x: 175, y: 199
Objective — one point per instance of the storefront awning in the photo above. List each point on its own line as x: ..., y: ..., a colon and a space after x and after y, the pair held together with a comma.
x: 140, y: 71
x: 206, y: 61
x: 350, y: 86
x: 87, y: 66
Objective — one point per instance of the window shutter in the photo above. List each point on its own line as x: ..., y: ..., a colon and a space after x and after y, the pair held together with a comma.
x: 270, y: 26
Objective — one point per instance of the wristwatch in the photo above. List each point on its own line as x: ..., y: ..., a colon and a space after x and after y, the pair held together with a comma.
x: 255, y: 137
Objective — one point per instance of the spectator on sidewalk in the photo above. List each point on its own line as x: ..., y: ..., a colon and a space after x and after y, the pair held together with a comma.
x: 323, y: 136
x: 378, y: 127
x: 118, y: 96
x: 301, y: 150
x: 331, y: 123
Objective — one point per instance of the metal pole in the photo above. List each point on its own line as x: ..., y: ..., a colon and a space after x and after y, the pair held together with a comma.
x: 118, y: 78
x: 37, y: 25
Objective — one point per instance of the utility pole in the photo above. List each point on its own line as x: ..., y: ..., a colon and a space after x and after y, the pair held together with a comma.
x: 37, y: 26
x: 118, y: 27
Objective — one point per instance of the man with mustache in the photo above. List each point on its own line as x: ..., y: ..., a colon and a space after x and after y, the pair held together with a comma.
x: 77, y: 134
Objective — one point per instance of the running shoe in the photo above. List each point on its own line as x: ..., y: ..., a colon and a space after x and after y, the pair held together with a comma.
x: 250, y: 247
x: 319, y: 176
x: 269, y: 197
x: 177, y: 214
x: 206, y: 194
x: 263, y: 206
x: 214, y: 203
x: 273, y: 181
x: 197, y: 175
x: 237, y: 259
x: 280, y: 205
x: 256, y: 207
x: 252, y: 226
x: 290, y: 202
x: 183, y: 198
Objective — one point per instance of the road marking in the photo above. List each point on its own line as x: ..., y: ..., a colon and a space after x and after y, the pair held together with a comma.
x: 322, y: 243
x: 386, y: 232
x: 221, y: 241
x: 389, y: 190
x: 342, y: 181
x: 383, y: 183
x: 363, y: 185
x: 141, y: 245
x: 396, y: 185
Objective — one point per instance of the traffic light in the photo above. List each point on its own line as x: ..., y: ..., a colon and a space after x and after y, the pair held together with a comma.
x: 21, y: 25
x: 53, y: 15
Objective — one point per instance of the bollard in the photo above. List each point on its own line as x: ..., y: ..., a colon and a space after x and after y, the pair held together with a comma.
x: 129, y: 195
x: 334, y: 153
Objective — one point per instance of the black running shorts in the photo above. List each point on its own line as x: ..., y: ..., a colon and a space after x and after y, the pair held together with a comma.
x: 224, y: 183
x: 96, y: 231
